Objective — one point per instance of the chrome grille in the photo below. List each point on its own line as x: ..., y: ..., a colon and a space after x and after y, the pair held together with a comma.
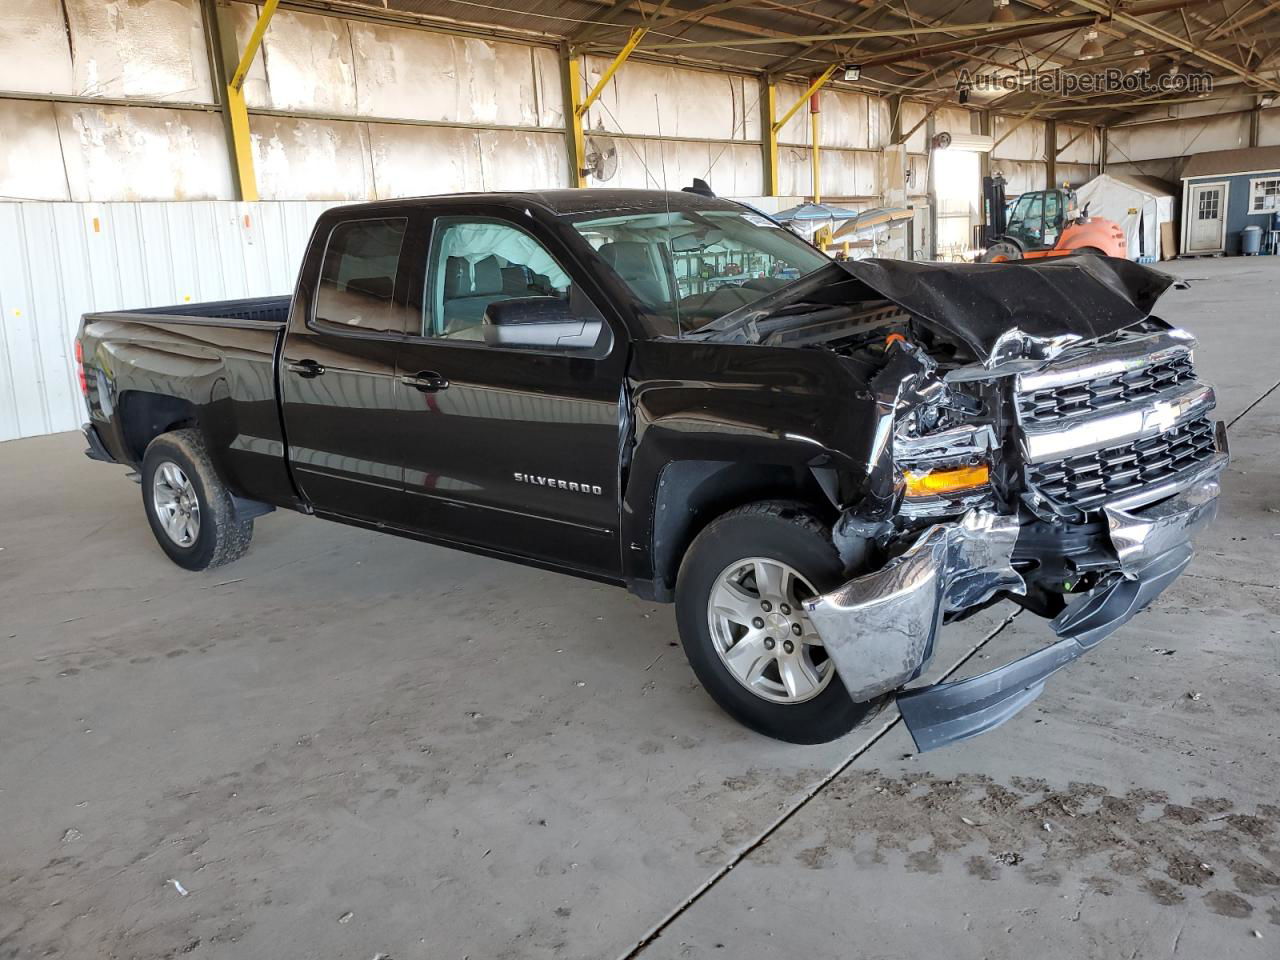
x: 1083, y: 483
x: 1053, y: 404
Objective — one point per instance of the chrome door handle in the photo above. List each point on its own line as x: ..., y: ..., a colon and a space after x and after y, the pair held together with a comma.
x: 426, y: 381
x: 305, y: 368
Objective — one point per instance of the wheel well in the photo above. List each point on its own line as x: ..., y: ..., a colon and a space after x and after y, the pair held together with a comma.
x: 692, y: 493
x: 144, y: 416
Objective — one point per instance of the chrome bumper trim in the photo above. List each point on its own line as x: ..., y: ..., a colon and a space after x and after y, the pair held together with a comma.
x: 947, y: 713
x: 1140, y: 537
x: 879, y: 629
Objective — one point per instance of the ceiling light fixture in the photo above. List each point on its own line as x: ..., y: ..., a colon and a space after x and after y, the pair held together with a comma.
x: 1002, y: 13
x: 1142, y: 64
x: 1092, y: 49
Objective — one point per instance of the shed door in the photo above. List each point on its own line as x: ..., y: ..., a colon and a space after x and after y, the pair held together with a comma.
x: 1208, y: 210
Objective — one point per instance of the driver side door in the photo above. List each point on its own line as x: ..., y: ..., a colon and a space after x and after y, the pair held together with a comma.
x: 507, y: 448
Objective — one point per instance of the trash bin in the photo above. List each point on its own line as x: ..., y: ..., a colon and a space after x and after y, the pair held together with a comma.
x: 1251, y: 240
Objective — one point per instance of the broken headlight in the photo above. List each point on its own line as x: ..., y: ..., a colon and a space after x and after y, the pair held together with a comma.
x: 946, y: 471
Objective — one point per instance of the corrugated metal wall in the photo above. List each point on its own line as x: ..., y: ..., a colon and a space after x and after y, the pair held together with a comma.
x: 61, y: 260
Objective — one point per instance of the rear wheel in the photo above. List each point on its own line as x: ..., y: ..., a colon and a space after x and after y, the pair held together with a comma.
x: 190, y: 510
x: 1001, y: 252
x: 739, y: 604
x: 1093, y: 250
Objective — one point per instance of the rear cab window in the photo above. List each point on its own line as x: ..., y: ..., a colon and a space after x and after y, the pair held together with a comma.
x: 357, y: 286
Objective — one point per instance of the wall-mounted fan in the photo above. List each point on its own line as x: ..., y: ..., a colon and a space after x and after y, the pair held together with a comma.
x: 601, y: 161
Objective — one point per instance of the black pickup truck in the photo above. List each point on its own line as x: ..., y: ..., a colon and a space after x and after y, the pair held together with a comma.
x: 820, y: 463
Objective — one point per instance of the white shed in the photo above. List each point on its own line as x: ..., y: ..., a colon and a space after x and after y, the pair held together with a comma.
x: 1138, y: 204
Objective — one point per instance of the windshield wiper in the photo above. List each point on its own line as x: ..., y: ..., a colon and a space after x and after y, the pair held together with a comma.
x: 756, y: 310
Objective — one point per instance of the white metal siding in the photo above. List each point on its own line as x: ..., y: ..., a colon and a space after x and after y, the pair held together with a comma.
x: 62, y: 260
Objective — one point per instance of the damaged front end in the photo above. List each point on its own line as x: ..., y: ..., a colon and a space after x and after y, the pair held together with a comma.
x: 1068, y: 476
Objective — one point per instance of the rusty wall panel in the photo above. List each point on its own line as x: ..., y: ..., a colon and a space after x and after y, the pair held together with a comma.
x: 654, y: 100
x: 329, y: 65
x: 848, y: 119
x: 141, y: 153
x: 412, y: 161
x: 35, y: 55
x: 30, y: 155
x: 308, y: 62
x: 912, y: 112
x: 546, y: 70
x: 1021, y: 175
x: 522, y: 160
x: 1026, y: 142
x: 732, y: 169
x: 655, y: 165
x: 1176, y: 138
x: 300, y: 159
x: 150, y: 49
x: 845, y: 173
x: 1083, y: 150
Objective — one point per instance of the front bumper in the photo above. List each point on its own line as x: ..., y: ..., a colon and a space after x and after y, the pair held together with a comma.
x: 880, y: 629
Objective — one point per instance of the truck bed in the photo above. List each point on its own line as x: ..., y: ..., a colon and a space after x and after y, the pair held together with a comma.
x: 273, y: 311
x: 211, y: 365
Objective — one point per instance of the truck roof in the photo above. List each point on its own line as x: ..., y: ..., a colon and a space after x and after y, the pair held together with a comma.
x: 574, y: 202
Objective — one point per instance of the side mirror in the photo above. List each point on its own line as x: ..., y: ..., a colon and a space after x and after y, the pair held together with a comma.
x: 539, y: 322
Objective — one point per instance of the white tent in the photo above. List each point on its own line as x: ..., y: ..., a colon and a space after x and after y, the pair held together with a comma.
x: 1138, y: 204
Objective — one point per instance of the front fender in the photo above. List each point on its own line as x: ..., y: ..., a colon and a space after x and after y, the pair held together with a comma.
x: 764, y: 411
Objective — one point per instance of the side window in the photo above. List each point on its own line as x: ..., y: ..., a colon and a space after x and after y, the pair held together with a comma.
x: 491, y: 283
x: 1019, y: 212
x: 1052, y: 215
x: 358, y: 276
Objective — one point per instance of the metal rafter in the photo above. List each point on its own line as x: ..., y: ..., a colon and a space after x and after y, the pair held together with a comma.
x: 1172, y: 39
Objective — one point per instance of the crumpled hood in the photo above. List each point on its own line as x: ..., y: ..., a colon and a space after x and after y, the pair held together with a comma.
x: 1022, y: 308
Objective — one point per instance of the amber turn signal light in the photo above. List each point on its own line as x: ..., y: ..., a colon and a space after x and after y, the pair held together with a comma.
x: 933, y: 483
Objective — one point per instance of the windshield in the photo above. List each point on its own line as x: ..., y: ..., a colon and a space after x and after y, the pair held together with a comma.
x: 687, y: 268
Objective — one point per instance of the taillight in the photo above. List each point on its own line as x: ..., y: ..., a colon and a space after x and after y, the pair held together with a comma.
x: 84, y: 384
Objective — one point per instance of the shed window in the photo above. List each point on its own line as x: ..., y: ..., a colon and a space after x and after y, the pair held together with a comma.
x: 1264, y: 194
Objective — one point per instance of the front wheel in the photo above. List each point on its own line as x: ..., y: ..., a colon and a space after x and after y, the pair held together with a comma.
x: 1001, y: 251
x: 739, y: 605
x: 189, y: 508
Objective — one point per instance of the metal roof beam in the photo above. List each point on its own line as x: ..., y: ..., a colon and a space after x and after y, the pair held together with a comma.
x: 1104, y: 9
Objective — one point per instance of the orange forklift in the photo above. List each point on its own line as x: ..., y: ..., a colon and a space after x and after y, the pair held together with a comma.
x: 1043, y: 223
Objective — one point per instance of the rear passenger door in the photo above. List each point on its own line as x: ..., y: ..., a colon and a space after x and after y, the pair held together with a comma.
x: 510, y: 445
x: 337, y: 376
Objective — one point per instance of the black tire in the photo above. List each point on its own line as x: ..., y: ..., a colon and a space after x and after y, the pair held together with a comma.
x: 1001, y: 251
x: 783, y: 531
x: 1094, y: 251
x: 221, y: 537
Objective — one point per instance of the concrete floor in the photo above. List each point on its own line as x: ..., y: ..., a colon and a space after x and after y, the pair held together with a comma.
x: 350, y: 746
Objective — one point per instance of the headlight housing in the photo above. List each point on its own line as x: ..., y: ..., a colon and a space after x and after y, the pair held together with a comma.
x: 945, y: 473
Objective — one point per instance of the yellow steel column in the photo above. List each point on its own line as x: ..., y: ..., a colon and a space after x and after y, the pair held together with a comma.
x: 768, y: 106
x: 239, y: 112
x: 572, y: 72
x: 579, y: 105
